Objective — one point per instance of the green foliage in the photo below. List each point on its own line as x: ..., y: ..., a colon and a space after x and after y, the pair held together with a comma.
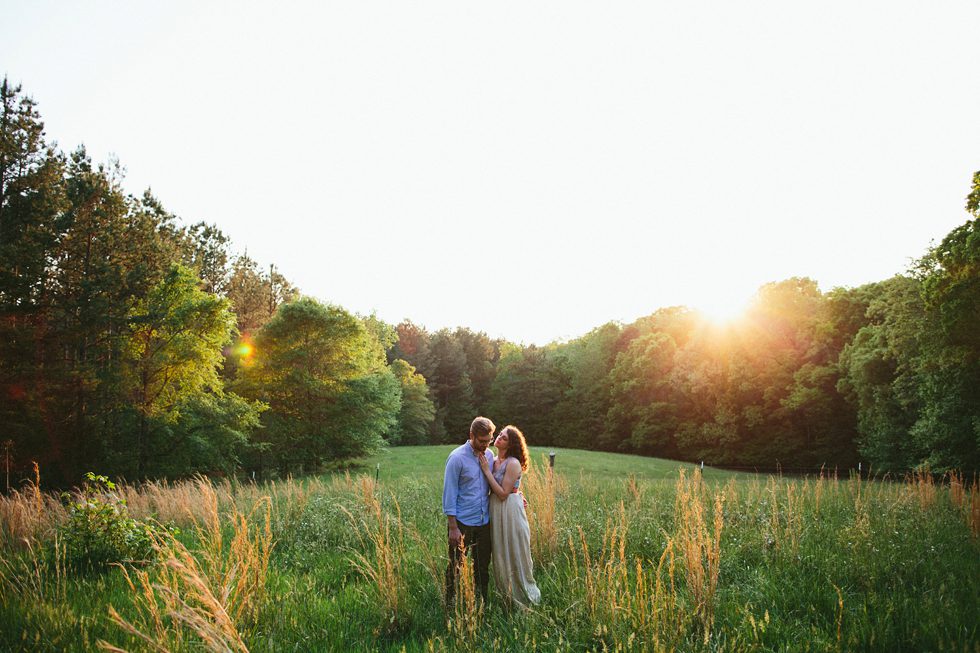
x: 255, y: 295
x: 324, y: 378
x: 973, y: 199
x: 171, y: 356
x: 482, y: 356
x: 174, y: 345
x: 459, y: 367
x: 99, y: 530
x: 643, y: 413
x: 760, y: 391
x: 32, y: 198
x: 527, y: 389
x: 948, y: 427
x: 207, y: 253
x: 32, y: 201
x: 581, y: 412
x: 115, y: 321
x: 384, y: 334
x: 212, y: 434
x: 451, y: 387
x: 106, y: 341
x: 417, y: 410
x: 881, y: 374
x: 914, y: 371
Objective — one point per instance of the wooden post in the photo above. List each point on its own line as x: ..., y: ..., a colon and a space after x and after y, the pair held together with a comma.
x: 551, y: 460
x: 377, y: 473
x: 7, y: 445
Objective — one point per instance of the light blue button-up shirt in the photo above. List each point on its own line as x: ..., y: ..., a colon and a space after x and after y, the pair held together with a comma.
x: 465, y: 490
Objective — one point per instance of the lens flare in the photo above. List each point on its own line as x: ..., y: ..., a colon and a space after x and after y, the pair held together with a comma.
x: 723, y: 310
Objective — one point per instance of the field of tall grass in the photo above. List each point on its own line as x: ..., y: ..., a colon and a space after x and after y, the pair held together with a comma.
x: 631, y: 554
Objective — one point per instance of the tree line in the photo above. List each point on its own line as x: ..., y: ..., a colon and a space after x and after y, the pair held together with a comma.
x: 138, y: 346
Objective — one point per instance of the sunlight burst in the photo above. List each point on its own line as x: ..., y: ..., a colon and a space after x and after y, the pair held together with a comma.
x: 722, y: 311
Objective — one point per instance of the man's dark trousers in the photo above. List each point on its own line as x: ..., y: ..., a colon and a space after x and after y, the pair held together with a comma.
x: 476, y: 542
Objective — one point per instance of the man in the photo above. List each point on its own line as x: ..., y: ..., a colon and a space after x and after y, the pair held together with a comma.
x: 465, y: 502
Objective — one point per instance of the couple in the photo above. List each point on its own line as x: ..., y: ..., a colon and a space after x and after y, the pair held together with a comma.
x: 486, y: 514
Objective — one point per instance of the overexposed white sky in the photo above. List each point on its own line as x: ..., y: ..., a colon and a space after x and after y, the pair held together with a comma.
x: 529, y: 169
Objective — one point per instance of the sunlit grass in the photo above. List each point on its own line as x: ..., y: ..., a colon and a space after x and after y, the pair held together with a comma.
x: 428, y: 462
x: 631, y: 554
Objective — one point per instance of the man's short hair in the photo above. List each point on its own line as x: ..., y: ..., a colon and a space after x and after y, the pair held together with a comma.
x: 481, y: 426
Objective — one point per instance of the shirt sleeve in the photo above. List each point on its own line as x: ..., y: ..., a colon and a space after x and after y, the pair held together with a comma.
x: 450, y: 486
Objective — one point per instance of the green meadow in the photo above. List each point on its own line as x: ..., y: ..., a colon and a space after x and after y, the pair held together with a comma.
x: 427, y: 463
x: 631, y: 554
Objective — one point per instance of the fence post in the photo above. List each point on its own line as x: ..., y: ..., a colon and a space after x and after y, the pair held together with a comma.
x: 551, y: 460
x: 377, y: 473
x: 7, y: 444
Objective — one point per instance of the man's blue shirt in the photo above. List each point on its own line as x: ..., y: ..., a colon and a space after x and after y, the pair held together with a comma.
x: 465, y: 491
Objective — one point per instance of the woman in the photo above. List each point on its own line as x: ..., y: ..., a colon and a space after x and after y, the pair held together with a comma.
x: 513, y: 570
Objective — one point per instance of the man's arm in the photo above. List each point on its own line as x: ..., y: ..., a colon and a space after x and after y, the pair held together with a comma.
x: 450, y: 492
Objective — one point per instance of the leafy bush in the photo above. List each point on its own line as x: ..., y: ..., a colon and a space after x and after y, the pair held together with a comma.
x: 99, y: 530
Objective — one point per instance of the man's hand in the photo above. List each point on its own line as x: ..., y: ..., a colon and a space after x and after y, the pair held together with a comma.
x: 455, y: 537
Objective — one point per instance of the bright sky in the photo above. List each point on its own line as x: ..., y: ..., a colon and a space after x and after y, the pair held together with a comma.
x: 530, y: 169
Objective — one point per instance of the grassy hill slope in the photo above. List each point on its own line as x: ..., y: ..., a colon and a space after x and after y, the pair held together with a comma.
x: 429, y: 462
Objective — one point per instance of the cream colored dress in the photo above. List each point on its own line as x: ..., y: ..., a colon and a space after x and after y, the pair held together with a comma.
x: 513, y: 570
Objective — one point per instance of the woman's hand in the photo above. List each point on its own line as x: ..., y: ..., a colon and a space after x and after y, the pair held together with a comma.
x: 484, y: 465
x: 511, y: 474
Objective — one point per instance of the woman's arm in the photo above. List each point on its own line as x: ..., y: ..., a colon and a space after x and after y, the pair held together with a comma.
x: 511, y: 474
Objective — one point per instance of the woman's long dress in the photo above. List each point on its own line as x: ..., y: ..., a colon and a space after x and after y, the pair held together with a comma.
x: 513, y: 570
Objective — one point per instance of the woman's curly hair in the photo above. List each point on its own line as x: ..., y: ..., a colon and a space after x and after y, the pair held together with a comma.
x: 516, y: 445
